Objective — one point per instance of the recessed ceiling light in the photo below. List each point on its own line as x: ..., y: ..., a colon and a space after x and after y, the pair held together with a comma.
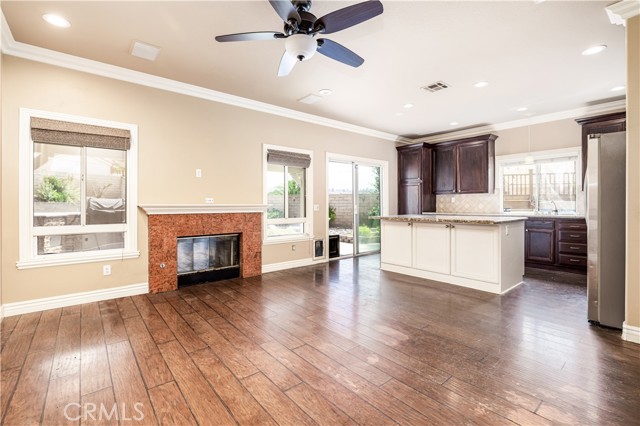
x: 325, y: 92
x: 56, y: 20
x: 310, y: 99
x: 407, y: 106
x: 454, y: 123
x: 144, y: 51
x: 594, y: 49
x: 481, y: 84
x: 522, y: 109
x: 617, y: 88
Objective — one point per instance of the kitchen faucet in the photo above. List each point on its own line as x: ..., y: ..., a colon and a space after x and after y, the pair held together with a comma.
x: 555, y: 207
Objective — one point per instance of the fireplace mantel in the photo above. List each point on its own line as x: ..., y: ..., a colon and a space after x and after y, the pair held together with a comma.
x: 153, y: 209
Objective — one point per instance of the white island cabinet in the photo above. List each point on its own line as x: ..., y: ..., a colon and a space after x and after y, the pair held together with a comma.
x: 485, y: 253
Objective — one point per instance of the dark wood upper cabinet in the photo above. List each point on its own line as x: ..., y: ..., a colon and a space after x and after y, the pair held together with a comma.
x: 475, y: 167
x: 464, y: 166
x: 444, y: 169
x: 415, y: 192
x: 608, y: 123
x: 410, y: 162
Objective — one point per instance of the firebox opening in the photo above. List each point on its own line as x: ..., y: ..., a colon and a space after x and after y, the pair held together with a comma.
x: 208, y: 258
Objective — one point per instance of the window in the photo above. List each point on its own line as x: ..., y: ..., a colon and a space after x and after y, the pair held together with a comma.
x: 79, y: 204
x: 548, y: 185
x: 287, y: 175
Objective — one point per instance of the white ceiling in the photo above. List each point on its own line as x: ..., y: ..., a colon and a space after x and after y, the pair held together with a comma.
x: 529, y: 52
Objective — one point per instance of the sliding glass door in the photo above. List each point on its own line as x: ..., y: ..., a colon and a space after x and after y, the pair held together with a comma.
x: 354, y: 197
x: 367, y: 181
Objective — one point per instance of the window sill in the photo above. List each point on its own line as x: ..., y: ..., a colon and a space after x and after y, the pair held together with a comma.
x: 85, y: 258
x: 284, y: 240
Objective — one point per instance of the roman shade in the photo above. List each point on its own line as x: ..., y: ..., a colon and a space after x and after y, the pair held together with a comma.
x: 287, y: 158
x: 57, y: 132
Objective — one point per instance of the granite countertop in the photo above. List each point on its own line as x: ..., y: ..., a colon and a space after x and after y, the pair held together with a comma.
x: 471, y: 219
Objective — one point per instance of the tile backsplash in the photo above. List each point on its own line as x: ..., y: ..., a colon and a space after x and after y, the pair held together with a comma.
x: 484, y: 203
x: 468, y: 203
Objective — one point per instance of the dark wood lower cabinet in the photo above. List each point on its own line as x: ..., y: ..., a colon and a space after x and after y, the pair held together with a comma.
x: 556, y: 243
x: 540, y: 246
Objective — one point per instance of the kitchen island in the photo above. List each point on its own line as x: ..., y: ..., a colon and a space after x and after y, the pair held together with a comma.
x: 476, y: 251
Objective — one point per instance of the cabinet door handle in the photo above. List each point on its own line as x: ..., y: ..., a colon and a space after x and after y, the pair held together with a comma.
x: 574, y: 260
x: 409, y: 223
x: 574, y: 236
x: 447, y: 226
x: 574, y: 226
x: 574, y: 248
x: 452, y: 226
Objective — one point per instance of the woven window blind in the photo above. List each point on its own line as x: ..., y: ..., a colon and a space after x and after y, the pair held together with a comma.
x: 57, y: 132
x: 286, y: 158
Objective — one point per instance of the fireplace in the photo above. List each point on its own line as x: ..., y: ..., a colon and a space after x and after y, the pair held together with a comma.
x: 208, y: 258
x: 168, y: 224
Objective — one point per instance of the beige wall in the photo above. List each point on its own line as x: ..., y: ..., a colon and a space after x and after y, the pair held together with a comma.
x: 632, y: 317
x: 1, y: 180
x: 544, y: 136
x: 177, y: 134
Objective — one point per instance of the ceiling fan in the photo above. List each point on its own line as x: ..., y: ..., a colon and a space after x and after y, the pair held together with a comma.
x: 301, y: 28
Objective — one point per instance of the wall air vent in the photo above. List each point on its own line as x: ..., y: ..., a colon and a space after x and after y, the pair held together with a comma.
x: 436, y: 87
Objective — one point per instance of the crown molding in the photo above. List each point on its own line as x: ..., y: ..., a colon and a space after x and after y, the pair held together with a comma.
x: 38, y: 54
x: 603, y: 108
x: 8, y: 45
x: 624, y: 9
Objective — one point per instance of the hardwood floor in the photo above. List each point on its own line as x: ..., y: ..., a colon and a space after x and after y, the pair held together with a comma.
x: 340, y: 343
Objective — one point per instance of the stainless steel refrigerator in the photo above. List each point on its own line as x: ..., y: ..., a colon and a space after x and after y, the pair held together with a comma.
x: 606, y: 228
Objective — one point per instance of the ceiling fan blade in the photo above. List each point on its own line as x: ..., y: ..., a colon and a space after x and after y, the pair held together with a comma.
x: 287, y: 63
x: 348, y: 17
x: 336, y: 51
x: 260, y: 35
x: 286, y: 10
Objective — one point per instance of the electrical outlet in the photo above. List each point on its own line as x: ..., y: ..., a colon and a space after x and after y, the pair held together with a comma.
x: 453, y: 199
x: 506, y: 230
x: 198, y: 172
x: 316, y: 207
x: 106, y: 270
x: 208, y: 200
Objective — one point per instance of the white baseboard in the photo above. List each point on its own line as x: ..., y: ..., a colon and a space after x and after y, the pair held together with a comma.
x: 35, y: 305
x: 291, y: 264
x: 630, y: 333
x: 1, y: 313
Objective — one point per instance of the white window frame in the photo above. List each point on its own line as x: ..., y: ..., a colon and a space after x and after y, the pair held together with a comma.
x: 28, y: 251
x: 308, y: 219
x: 506, y: 160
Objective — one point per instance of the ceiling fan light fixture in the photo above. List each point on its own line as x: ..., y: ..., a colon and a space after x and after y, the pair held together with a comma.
x: 301, y: 46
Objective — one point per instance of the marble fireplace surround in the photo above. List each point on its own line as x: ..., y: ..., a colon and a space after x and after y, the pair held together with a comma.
x: 168, y: 222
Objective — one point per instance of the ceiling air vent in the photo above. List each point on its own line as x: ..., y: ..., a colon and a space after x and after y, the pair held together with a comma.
x: 436, y: 87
